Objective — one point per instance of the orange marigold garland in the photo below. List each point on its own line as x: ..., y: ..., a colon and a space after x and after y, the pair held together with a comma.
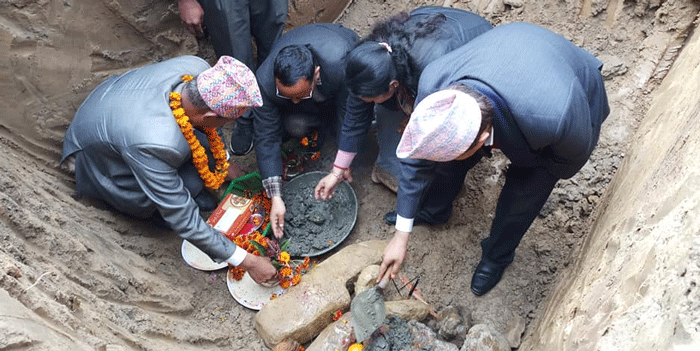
x: 212, y: 180
x: 290, y: 271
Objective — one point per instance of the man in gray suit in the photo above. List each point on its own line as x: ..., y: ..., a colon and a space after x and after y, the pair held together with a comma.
x: 133, y: 139
x: 520, y: 88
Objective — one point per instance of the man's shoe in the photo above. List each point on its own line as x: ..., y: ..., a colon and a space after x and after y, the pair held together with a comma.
x: 486, y: 276
x: 205, y: 201
x: 390, y: 219
x: 241, y: 142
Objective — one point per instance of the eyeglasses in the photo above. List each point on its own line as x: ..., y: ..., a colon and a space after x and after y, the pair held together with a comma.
x: 311, y: 93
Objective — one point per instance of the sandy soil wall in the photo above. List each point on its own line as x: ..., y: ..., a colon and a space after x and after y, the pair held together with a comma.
x: 635, y: 283
x: 53, y: 53
x: 76, y: 275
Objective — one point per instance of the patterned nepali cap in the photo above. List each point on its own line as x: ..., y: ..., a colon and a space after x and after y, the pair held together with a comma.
x: 441, y: 128
x: 229, y: 88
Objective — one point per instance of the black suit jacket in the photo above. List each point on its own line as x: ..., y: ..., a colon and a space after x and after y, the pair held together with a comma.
x: 549, y: 92
x: 331, y: 43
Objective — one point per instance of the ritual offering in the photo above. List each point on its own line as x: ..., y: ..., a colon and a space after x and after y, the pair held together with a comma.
x: 234, y: 215
x: 231, y: 215
x: 252, y: 295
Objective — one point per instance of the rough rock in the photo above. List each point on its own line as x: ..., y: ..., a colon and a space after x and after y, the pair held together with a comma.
x: 321, y: 292
x: 451, y: 325
x: 515, y: 327
x: 425, y: 339
x: 407, y: 309
x: 612, y: 66
x: 483, y: 337
x: 367, y: 278
x: 287, y: 345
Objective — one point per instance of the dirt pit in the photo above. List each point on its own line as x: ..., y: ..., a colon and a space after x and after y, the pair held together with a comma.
x: 76, y: 275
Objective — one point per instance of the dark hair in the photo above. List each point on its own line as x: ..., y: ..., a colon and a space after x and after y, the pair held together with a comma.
x: 194, y: 96
x: 370, y: 66
x: 295, y: 62
x: 484, y: 105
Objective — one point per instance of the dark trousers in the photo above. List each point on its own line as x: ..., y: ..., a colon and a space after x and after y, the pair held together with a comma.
x: 231, y: 23
x: 521, y: 199
x: 326, y: 117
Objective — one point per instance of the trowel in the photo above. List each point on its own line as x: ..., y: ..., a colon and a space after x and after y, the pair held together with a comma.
x: 368, y: 311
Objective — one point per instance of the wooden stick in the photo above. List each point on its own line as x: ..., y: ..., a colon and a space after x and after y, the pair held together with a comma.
x: 416, y: 293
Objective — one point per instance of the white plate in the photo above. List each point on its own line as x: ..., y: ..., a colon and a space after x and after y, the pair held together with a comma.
x: 249, y: 293
x: 198, y: 259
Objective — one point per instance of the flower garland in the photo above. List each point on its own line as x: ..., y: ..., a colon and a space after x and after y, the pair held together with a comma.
x: 212, y: 180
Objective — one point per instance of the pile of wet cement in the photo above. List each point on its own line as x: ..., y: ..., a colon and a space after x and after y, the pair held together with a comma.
x: 314, y: 226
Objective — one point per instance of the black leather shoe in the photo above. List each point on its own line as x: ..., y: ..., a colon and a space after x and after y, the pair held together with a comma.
x: 205, y: 201
x: 390, y: 219
x: 241, y: 142
x: 486, y: 276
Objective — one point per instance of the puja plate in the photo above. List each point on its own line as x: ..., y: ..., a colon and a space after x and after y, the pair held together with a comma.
x: 196, y: 258
x: 249, y: 293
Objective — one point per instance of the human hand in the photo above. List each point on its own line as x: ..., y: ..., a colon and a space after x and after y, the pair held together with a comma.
x: 277, y: 212
x: 393, y: 256
x: 191, y: 14
x: 260, y: 269
x: 326, y: 187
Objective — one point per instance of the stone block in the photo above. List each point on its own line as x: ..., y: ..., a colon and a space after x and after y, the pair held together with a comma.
x: 367, y: 278
x: 407, y: 309
x: 306, y: 309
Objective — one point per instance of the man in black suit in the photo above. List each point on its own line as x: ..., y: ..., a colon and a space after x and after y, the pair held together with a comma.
x: 303, y: 87
x: 518, y: 87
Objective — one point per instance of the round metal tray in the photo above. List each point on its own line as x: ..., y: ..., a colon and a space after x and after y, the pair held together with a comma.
x: 316, y: 227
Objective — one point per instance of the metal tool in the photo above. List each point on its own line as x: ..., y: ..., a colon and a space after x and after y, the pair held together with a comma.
x: 368, y: 310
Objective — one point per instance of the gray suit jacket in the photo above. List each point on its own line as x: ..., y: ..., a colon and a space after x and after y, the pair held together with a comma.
x: 130, y: 152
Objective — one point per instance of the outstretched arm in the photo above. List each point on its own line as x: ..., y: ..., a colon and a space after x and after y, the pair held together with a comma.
x: 191, y: 14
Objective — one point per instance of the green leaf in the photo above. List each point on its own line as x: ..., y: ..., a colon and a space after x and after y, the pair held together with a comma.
x: 261, y: 249
x: 284, y: 246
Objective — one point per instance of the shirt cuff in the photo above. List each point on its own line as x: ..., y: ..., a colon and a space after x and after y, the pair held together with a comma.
x: 237, y: 257
x: 343, y: 159
x: 404, y: 224
x: 273, y: 186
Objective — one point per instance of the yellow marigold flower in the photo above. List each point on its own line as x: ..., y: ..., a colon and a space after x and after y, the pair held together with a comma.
x: 199, y: 157
x: 304, y: 141
x: 356, y: 347
x: 286, y: 271
x: 285, y: 283
x: 179, y: 112
x: 296, y: 279
x: 283, y: 257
